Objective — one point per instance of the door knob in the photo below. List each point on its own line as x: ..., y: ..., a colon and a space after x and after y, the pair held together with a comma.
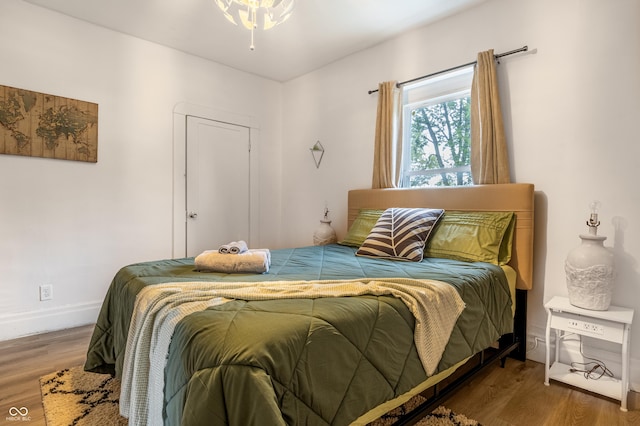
x: 192, y: 215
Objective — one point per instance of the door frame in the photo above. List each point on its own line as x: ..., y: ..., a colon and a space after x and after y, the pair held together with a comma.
x: 180, y: 113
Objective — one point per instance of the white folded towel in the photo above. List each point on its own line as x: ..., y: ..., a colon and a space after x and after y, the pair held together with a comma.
x: 234, y: 247
x: 251, y: 261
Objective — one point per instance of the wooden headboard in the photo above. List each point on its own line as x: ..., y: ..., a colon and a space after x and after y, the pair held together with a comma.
x: 515, y: 197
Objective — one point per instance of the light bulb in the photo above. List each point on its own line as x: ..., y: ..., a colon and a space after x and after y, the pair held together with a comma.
x: 593, y: 222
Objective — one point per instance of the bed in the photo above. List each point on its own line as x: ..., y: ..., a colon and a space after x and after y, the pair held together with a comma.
x: 342, y: 358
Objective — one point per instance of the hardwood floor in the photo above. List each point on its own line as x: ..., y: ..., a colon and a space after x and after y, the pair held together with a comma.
x: 23, y: 361
x: 514, y: 395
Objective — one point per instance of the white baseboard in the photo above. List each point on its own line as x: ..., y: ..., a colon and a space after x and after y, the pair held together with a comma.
x: 41, y: 321
x: 570, y: 350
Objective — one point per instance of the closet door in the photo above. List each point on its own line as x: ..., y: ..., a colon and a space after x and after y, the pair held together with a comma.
x: 217, y: 184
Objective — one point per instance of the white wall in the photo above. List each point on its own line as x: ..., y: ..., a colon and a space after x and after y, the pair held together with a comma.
x: 571, y: 113
x: 73, y: 224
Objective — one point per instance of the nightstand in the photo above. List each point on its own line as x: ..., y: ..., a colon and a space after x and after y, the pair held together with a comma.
x: 612, y: 325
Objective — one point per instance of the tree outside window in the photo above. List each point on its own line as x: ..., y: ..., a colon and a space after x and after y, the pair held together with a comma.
x: 437, y: 134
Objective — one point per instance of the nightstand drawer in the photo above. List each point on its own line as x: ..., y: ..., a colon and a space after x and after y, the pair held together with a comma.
x: 588, y: 326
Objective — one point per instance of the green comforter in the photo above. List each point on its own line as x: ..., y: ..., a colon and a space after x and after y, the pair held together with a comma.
x: 322, y: 361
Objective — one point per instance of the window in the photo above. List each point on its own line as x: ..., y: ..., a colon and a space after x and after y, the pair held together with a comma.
x: 437, y: 131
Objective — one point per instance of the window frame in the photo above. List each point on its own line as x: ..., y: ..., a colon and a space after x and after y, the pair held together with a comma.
x: 424, y: 93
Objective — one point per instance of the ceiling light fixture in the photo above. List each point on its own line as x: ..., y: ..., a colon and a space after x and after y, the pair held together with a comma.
x: 254, y: 14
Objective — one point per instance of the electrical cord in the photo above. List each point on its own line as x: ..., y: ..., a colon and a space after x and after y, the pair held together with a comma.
x: 594, y: 369
x: 536, y: 341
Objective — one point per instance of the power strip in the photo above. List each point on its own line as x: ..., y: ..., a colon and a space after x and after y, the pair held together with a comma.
x: 585, y: 326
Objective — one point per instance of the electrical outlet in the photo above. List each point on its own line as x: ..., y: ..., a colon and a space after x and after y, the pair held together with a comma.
x: 585, y: 326
x: 46, y: 292
x: 594, y: 328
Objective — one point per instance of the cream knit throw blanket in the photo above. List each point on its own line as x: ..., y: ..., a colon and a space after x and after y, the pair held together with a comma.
x: 159, y: 308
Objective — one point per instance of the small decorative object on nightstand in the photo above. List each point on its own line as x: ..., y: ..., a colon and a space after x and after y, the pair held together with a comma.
x: 589, y: 269
x: 612, y: 325
x: 324, y: 234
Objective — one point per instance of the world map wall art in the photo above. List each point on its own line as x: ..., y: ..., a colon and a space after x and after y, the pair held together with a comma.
x: 36, y: 124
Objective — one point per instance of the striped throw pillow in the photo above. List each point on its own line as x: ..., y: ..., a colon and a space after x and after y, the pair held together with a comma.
x: 400, y: 234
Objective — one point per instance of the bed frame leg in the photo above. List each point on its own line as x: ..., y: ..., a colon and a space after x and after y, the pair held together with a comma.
x: 520, y: 326
x: 518, y: 338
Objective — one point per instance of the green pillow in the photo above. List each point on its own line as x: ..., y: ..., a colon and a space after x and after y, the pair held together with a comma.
x: 361, y: 227
x: 473, y: 236
x: 504, y: 255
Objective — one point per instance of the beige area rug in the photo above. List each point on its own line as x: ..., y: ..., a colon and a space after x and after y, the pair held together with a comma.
x: 75, y: 397
x: 441, y: 416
